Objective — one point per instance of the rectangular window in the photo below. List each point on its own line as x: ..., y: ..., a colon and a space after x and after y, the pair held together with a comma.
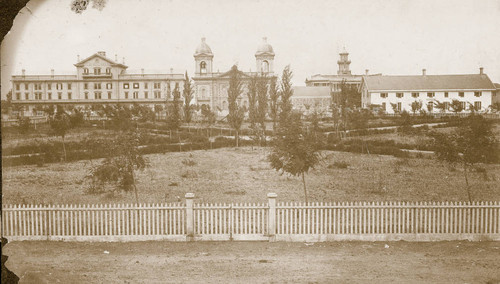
x: 430, y: 106
x: 399, y: 95
x: 156, y: 85
x: 18, y: 87
x: 69, y: 96
x: 157, y: 94
x: 477, y: 106
x: 38, y: 96
x: 26, y: 96
x: 97, y: 95
x: 136, y: 85
x: 414, y: 95
x: 109, y: 95
x: 86, y: 95
x: 109, y: 86
x: 145, y: 95
x: 38, y: 86
x: 461, y: 94
x: 464, y: 105
x: 145, y: 85
x: 125, y: 85
x: 49, y: 86
x: 85, y: 86
x: 18, y: 96
x: 383, y: 95
x: 136, y: 95
x: 108, y: 70
x: 25, y: 86
x: 97, y: 71
x: 477, y: 94
x: 59, y: 86
x: 49, y: 96
x: 85, y: 71
x: 59, y: 96
x: 126, y: 95
x: 97, y: 86
x: 430, y: 94
x: 69, y: 86
x: 445, y: 94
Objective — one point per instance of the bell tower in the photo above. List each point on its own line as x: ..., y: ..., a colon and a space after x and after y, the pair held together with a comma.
x: 264, y: 57
x: 203, y: 58
x: 343, y: 63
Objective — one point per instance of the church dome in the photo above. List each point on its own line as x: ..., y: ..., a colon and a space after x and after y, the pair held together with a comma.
x: 264, y: 47
x: 203, y: 48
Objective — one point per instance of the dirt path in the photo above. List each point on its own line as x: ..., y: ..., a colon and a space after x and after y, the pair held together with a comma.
x: 255, y: 262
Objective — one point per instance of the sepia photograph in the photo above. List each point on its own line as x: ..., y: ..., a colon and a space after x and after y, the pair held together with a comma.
x: 251, y: 141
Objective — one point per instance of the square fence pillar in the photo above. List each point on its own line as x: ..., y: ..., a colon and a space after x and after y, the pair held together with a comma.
x: 271, y: 217
x: 189, y: 216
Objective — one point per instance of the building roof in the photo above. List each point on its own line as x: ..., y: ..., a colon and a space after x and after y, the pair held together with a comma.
x: 264, y: 48
x: 203, y: 48
x: 497, y: 85
x: 102, y: 55
x: 428, y: 82
x: 311, y: 92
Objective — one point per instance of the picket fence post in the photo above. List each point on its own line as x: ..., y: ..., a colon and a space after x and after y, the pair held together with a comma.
x: 271, y: 222
x: 189, y: 216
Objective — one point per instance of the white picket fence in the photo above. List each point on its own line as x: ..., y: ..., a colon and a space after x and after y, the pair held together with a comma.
x: 319, y: 221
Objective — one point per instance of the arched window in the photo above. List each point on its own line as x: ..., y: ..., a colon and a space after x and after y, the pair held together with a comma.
x: 265, y: 66
x: 203, y: 67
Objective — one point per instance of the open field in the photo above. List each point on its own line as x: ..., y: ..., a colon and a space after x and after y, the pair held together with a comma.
x: 255, y: 262
x: 244, y: 175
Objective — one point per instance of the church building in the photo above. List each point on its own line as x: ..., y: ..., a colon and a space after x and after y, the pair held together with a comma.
x: 211, y: 87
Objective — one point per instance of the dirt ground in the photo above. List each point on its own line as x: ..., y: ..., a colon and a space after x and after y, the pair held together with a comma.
x: 244, y: 175
x: 255, y: 262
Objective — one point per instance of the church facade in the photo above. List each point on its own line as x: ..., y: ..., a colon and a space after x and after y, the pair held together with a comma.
x: 211, y: 87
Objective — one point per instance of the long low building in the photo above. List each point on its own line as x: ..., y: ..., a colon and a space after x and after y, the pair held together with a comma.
x: 308, y: 99
x: 394, y: 94
x: 98, y: 80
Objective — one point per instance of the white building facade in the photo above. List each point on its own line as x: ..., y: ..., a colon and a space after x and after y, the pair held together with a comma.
x: 394, y: 94
x: 98, y: 80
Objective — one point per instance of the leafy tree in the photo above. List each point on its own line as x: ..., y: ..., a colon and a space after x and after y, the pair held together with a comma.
x: 174, y: 115
x: 76, y: 118
x: 60, y: 124
x: 187, y: 93
x: 349, y: 99
x: 157, y: 109
x: 49, y: 110
x: 7, y: 103
x: 120, y: 116
x: 395, y: 108
x: 358, y: 118
x: 295, y: 151
x: 252, y: 101
x: 472, y: 142
x: 456, y: 106
x: 286, y: 94
x: 119, y: 167
x: 24, y: 125
x: 405, y: 122
x: 441, y: 106
x: 274, y: 96
x: 208, y: 115
x: 495, y: 106
x: 236, y: 112
x: 416, y: 106
x: 262, y: 106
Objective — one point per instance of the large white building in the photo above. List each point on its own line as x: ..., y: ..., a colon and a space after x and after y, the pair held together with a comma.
x: 98, y: 80
x: 401, y: 91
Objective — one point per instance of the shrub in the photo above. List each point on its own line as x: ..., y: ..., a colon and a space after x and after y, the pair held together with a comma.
x: 188, y: 162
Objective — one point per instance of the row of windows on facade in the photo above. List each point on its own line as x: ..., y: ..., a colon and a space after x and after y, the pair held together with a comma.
x: 97, y: 95
x: 430, y: 106
x: 97, y: 71
x: 109, y: 86
x: 429, y: 94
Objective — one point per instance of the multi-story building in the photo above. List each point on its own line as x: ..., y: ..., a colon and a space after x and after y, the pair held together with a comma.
x: 334, y: 82
x: 397, y: 93
x: 211, y: 87
x: 98, y: 80
x: 310, y: 99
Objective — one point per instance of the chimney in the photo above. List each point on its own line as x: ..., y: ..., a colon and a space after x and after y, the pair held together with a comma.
x: 78, y: 58
x: 366, y: 71
x: 52, y: 73
x: 481, y: 70
x: 123, y: 60
x: 424, y: 72
x: 116, y: 57
x: 24, y: 72
x: 142, y: 71
x: 102, y: 53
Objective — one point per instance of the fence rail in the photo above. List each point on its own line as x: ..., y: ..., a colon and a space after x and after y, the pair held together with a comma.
x: 285, y: 221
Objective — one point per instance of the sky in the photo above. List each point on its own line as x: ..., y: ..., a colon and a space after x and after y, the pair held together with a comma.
x: 390, y: 37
